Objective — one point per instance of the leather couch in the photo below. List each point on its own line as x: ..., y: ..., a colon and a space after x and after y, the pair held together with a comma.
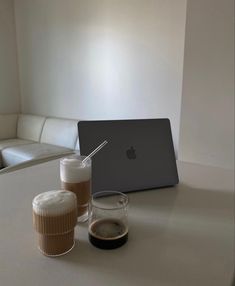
x: 33, y: 138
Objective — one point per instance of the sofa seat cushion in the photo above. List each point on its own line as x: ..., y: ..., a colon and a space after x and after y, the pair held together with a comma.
x: 13, y: 142
x: 18, y: 154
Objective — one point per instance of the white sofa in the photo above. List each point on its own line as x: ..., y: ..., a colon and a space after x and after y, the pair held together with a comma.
x: 26, y: 138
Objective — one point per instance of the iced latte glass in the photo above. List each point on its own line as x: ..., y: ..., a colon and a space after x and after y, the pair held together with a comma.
x: 54, y: 219
x: 75, y: 176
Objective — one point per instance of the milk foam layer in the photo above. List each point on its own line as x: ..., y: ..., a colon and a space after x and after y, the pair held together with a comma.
x: 72, y: 170
x: 54, y: 202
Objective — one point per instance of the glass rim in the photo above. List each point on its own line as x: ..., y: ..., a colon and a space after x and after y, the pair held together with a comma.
x: 75, y: 156
x: 102, y: 194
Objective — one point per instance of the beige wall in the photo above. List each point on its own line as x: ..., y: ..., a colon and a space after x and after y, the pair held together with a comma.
x: 9, y: 84
x: 102, y: 59
x: 207, y: 119
x: 122, y: 59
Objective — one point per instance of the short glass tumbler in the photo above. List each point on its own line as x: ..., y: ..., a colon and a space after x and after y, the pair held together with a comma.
x: 108, y: 219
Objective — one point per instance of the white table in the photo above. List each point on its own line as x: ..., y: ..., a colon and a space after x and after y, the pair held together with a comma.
x: 178, y: 236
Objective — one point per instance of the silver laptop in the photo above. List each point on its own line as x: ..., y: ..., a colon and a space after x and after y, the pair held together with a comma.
x: 139, y: 154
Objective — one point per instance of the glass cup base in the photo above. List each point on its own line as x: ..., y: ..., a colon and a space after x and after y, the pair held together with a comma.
x: 56, y: 255
x: 83, y: 218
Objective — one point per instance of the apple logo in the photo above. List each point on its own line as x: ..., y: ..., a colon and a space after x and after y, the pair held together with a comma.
x: 130, y: 153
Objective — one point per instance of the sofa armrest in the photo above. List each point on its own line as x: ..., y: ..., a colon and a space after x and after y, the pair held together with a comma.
x: 35, y: 161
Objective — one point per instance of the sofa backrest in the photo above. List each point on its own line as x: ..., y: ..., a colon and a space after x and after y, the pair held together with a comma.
x: 8, y: 126
x: 30, y: 126
x: 60, y: 132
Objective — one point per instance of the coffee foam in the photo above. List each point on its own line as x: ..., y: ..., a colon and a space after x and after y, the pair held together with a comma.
x: 72, y: 170
x: 54, y: 202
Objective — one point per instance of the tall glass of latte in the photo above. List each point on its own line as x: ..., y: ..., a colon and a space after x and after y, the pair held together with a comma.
x: 75, y: 176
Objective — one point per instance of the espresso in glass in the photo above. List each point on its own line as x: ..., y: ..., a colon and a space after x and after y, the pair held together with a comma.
x: 75, y: 176
x: 108, y: 225
x: 108, y: 233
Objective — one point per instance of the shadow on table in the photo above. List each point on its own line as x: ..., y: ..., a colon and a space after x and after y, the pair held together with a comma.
x: 177, y: 234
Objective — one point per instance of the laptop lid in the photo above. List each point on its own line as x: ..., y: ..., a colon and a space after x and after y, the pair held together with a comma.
x: 139, y: 154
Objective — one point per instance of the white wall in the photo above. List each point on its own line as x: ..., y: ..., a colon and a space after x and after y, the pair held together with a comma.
x: 102, y: 59
x: 9, y: 81
x: 207, y: 121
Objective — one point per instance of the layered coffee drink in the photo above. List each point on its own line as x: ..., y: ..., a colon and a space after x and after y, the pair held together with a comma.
x: 108, y: 233
x: 75, y: 176
x: 54, y: 219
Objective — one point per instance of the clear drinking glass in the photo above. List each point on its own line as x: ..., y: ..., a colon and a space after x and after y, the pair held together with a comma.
x: 108, y: 219
x: 75, y: 176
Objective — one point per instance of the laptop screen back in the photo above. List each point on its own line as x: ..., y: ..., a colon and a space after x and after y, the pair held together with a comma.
x: 139, y: 154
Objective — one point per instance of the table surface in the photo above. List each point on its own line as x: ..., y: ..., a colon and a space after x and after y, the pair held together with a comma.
x: 182, y: 235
